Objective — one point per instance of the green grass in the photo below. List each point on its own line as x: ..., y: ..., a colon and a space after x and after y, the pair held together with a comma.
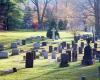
x: 43, y: 69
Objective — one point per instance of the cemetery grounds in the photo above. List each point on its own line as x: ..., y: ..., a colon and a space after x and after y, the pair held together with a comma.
x: 43, y: 69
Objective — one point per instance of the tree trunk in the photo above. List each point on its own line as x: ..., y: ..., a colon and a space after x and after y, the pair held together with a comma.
x: 97, y: 18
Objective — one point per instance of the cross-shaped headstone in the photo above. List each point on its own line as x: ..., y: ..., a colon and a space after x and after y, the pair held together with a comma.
x: 53, y: 33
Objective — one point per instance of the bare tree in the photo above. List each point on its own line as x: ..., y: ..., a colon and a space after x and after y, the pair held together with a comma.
x: 39, y: 15
x: 95, y: 4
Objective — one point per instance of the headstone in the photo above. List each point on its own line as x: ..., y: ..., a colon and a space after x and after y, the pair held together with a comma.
x: 53, y: 33
x: 44, y: 54
x: 60, y: 49
x: 34, y: 54
x: 1, y: 47
x: 14, y: 45
x: 14, y: 70
x: 83, y: 78
x: 98, y: 55
x: 87, y: 58
x: 63, y: 44
x: 55, y: 49
x: 94, y: 53
x: 53, y: 55
x: 15, y: 51
x: 28, y: 40
x: 3, y: 54
x: 74, y: 47
x: 23, y: 42
x: 82, y: 44
x: 69, y: 55
x: 73, y: 42
x: 74, y: 56
x: 80, y: 50
x: 50, y: 49
x: 95, y: 45
x: 68, y: 46
x: 29, y: 60
x: 64, y: 60
x: 19, y: 42
x: 44, y: 43
x: 36, y: 45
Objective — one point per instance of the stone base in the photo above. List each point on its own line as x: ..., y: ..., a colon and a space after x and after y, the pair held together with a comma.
x: 87, y: 62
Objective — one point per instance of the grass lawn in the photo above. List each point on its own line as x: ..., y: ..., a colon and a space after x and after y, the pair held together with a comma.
x: 43, y: 69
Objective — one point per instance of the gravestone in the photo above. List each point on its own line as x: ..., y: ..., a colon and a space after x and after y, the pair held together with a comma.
x: 69, y: 55
x: 14, y: 69
x: 87, y: 58
x: 19, y: 42
x: 95, y: 45
x: 14, y: 45
x: 82, y: 44
x: 53, y: 55
x: 50, y: 49
x: 3, y: 54
x: 98, y: 55
x: 64, y: 60
x: 36, y: 45
x: 60, y: 48
x: 34, y: 54
x: 53, y: 33
x: 44, y: 54
x: 75, y: 47
x: 94, y: 53
x: 74, y: 56
x: 63, y: 44
x: 1, y: 47
x: 29, y: 60
x: 73, y: 42
x: 80, y: 50
x: 23, y: 42
x: 28, y: 40
x: 44, y: 43
x: 83, y: 78
x: 68, y: 46
x: 55, y: 49
x: 15, y: 51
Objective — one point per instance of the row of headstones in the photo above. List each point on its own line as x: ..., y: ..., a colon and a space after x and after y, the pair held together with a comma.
x: 88, y: 54
x: 14, y: 46
x: 84, y: 37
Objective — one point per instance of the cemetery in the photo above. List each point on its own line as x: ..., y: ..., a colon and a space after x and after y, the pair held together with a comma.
x: 49, y: 40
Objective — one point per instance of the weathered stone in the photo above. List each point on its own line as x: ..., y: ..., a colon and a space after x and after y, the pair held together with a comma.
x: 3, y: 54
x: 29, y: 60
x: 14, y: 45
x: 15, y: 51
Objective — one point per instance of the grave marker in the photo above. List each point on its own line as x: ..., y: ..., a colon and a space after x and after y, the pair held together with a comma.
x: 14, y: 45
x: 1, y: 47
x: 53, y: 55
x: 64, y: 60
x: 29, y: 60
x: 15, y: 51
x: 3, y: 54
x: 50, y: 49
